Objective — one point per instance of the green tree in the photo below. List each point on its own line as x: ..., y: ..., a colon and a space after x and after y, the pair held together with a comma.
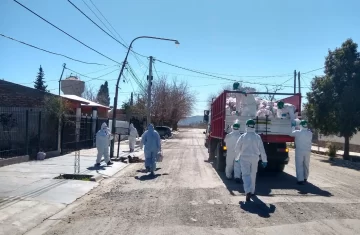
x: 40, y: 81
x: 334, y: 102
x: 103, y: 96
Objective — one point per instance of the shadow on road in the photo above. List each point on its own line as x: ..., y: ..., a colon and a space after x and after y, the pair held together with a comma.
x: 354, y: 164
x: 256, y: 206
x: 147, y: 177
x: 268, y: 181
x: 93, y: 168
x: 144, y: 170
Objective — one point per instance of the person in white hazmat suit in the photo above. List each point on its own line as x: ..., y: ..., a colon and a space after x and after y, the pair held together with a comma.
x: 231, y: 165
x: 303, y: 143
x: 151, y: 140
x: 103, y: 137
x: 133, y: 134
x: 248, y: 149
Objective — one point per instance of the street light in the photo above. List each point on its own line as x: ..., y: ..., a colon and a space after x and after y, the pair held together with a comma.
x: 117, y: 85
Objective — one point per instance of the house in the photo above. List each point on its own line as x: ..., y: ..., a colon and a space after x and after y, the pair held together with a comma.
x: 88, y: 106
x: 19, y: 96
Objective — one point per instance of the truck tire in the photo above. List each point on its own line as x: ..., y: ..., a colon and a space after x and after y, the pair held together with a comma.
x: 220, y: 161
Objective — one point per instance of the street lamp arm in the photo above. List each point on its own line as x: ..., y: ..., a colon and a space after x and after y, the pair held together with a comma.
x: 156, y: 38
x: 118, y: 80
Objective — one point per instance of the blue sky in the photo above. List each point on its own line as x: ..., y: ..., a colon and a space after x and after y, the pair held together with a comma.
x: 244, y: 38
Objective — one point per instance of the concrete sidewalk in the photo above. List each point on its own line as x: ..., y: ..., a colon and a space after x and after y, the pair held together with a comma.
x: 29, y: 193
x: 324, y: 150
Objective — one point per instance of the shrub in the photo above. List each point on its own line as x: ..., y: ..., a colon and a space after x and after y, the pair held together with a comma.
x: 332, y: 149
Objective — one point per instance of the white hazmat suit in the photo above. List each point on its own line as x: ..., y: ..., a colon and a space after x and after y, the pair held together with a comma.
x: 231, y: 165
x: 248, y: 149
x: 103, y: 137
x: 133, y: 134
x: 303, y: 143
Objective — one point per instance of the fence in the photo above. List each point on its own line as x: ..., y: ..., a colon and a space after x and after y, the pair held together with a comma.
x: 79, y: 133
x: 26, y: 132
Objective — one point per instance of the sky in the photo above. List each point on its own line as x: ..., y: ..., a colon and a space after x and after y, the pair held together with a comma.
x: 257, y: 42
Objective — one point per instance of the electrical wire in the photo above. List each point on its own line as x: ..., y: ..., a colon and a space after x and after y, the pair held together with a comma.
x: 313, y: 70
x: 97, y: 17
x: 135, y: 56
x: 96, y: 78
x: 50, y: 52
x: 65, y: 32
x: 101, y: 70
x: 112, y: 36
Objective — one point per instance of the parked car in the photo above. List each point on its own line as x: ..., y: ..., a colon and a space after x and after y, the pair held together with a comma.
x: 164, y: 131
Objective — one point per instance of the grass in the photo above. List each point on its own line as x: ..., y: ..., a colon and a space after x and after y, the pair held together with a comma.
x: 74, y: 177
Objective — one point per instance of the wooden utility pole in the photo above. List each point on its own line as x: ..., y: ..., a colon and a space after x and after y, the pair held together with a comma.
x: 149, y: 78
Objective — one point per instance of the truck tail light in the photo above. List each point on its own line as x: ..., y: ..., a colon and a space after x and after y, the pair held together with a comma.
x: 286, y: 150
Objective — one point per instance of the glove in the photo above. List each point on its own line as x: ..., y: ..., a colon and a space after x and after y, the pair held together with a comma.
x: 264, y: 164
x: 237, y: 159
x: 293, y: 124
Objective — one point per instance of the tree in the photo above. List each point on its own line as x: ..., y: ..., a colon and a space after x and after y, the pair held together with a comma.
x: 171, y: 102
x: 40, y: 82
x: 333, y: 102
x: 103, y: 96
x: 89, y: 93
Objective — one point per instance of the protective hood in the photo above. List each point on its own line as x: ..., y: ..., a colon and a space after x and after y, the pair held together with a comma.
x: 150, y: 128
x: 236, y: 130
x: 249, y: 129
x: 132, y: 126
x: 303, y: 128
x: 103, y: 126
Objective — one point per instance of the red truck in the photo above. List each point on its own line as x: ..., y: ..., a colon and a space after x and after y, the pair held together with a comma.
x: 274, y: 132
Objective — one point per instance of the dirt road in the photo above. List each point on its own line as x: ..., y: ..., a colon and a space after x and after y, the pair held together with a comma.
x: 189, y: 197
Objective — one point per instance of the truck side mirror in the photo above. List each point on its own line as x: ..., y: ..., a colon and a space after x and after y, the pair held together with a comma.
x: 206, y: 115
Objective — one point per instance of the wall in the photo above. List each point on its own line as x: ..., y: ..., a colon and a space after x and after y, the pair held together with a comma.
x: 339, y: 142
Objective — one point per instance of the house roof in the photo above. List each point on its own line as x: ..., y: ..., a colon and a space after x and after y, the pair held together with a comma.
x: 84, y: 101
x: 16, y: 95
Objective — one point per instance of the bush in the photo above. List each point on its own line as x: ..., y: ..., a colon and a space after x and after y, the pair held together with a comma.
x: 332, y: 149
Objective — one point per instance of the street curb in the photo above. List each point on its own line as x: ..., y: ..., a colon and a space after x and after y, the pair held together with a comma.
x: 97, y: 177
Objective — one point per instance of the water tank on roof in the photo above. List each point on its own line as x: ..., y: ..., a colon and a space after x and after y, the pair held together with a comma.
x: 72, y: 86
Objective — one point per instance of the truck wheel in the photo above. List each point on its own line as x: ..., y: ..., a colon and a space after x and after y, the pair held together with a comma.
x: 211, y: 156
x: 220, y: 159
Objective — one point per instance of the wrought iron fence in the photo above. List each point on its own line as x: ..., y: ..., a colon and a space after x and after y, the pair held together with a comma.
x: 79, y: 133
x: 26, y: 132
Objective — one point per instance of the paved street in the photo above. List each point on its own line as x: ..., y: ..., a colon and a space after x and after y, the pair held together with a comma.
x: 189, y: 197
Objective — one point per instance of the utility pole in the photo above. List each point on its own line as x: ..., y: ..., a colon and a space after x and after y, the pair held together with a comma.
x: 149, y: 78
x: 64, y: 67
x: 294, y: 81
x: 132, y: 99
x: 299, y: 82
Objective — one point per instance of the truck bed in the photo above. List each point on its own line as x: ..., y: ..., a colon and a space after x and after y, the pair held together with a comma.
x: 271, y: 130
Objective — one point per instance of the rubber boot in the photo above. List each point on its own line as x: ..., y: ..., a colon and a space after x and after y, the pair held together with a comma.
x: 248, y: 196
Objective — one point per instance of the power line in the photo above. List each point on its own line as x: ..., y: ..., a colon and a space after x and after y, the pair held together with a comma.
x: 313, y: 70
x: 96, y: 78
x: 133, y: 54
x: 96, y: 24
x: 50, y: 52
x: 101, y: 70
x: 66, y: 32
x: 102, y: 28
x: 106, y: 21
x: 223, y: 78
x: 96, y: 16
